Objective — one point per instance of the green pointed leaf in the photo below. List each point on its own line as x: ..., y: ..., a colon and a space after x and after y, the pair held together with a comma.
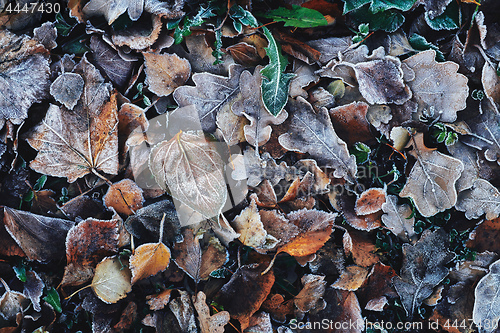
x: 275, y: 83
x: 449, y: 20
x: 383, y: 5
x: 419, y: 43
x: 388, y: 21
x: 299, y: 17
x: 351, y: 5
x: 53, y: 299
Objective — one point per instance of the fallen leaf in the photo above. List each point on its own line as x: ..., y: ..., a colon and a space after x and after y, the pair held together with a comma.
x: 362, y: 222
x: 370, y: 201
x: 350, y: 122
x: 276, y: 305
x: 431, y: 183
x: 312, y: 132
x: 423, y: 269
x: 139, y: 36
x: 437, y: 87
x: 192, y: 169
x: 486, y: 310
x: 127, y: 318
x: 149, y: 259
x: 183, y: 310
x: 250, y: 105
x: 41, y: 238
x: 256, y: 168
x: 24, y: 74
x: 375, y: 286
x: 165, y: 72
x: 67, y: 89
x: 209, y: 323
x: 199, y: 260
x: 231, y: 127
x: 397, y: 218
x: 259, y: 322
x: 304, y: 75
x: 245, y: 292
x: 330, y: 47
x: 352, y: 278
x: 46, y: 35
x: 310, y: 298
x: 210, y: 101
x: 12, y: 302
x: 114, y: 8
x: 158, y: 302
x: 484, y: 236
x: 75, y: 143
x: 244, y: 53
x: 33, y: 289
x: 481, y: 198
x: 362, y: 249
x: 124, y: 196
x: 111, y: 281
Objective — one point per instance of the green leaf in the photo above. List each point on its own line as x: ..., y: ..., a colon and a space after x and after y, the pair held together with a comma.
x: 195, y: 21
x: 299, y: 17
x: 419, y: 43
x: 449, y: 20
x: 361, y: 151
x: 242, y: 17
x: 351, y: 5
x: 383, y: 5
x: 388, y: 21
x: 53, y: 299
x: 275, y: 83
x: 451, y: 138
x: 28, y: 196
x: 63, y: 27
x: 20, y: 271
x: 40, y: 183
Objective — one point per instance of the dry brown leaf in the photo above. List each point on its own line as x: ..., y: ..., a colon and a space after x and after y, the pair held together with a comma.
x: 40, y: 237
x: 376, y: 286
x: 370, y: 201
x: 486, y: 311
x: 437, y: 87
x: 140, y: 35
x: 352, y: 278
x: 192, y: 169
x: 244, y: 53
x: 276, y: 305
x: 24, y: 74
x: 364, y: 222
x: 362, y: 249
x: 251, y: 105
x: 208, y: 323
x: 158, y: 302
x: 67, y: 89
x: 149, y: 259
x: 397, y: 218
x: 165, y: 72
x: 350, y: 122
x: 75, y: 143
x: 231, y: 127
x: 431, y: 183
x: 481, y: 198
x: 183, y: 310
x: 245, y: 292
x: 124, y: 196
x: 196, y: 260
x: 111, y: 281
x: 310, y: 298
x: 491, y: 82
x: 12, y: 303
x: 485, y: 236
x: 312, y: 132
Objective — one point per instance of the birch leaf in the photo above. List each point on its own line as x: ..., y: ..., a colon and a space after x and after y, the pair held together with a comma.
x: 111, y: 281
x: 486, y: 311
x: 423, y: 269
x: 148, y: 260
x: 396, y: 218
x: 75, y: 143
x: 431, y: 183
x: 251, y: 106
x: 24, y: 74
x: 276, y: 83
x: 312, y: 132
x: 211, y: 94
x: 480, y: 199
x: 192, y: 169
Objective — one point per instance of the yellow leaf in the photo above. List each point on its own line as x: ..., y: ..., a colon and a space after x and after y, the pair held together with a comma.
x: 149, y: 259
x: 111, y: 281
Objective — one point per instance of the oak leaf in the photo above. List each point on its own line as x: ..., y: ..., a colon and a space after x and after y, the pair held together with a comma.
x: 149, y: 259
x: 487, y: 301
x: 24, y: 74
x: 209, y: 323
x: 481, y: 198
x: 398, y: 218
x: 310, y: 298
x: 431, y: 183
x: 312, y: 132
x: 111, y: 281
x: 85, y: 140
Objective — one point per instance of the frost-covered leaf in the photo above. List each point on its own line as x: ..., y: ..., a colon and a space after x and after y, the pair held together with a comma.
x: 330, y: 47
x: 165, y: 72
x: 431, y: 183
x: 24, y: 74
x: 85, y: 140
x: 310, y: 298
x: 67, y: 89
x: 33, y: 289
x: 111, y: 281
x: 423, y: 269
x: 312, y: 132
x: 149, y: 259
x: 486, y: 311
x: 481, y: 198
x: 296, y: 16
x: 250, y: 105
x: 437, y: 87
x: 397, y: 218
x: 124, y: 196
x: 276, y: 83
x: 450, y: 19
x: 211, y: 94
x: 370, y: 201
x: 112, y: 9
x: 304, y: 75
x: 435, y: 8
x: 192, y: 169
x: 209, y: 323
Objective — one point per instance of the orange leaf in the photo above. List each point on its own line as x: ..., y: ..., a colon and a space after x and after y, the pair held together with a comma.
x: 149, y: 259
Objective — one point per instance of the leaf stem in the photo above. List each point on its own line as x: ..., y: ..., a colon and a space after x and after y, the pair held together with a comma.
x: 162, y: 223
x: 76, y: 292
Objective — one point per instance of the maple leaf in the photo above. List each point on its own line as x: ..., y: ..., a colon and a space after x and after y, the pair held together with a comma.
x: 431, y: 183
x: 75, y: 143
x: 24, y: 74
x: 312, y: 132
x: 423, y: 269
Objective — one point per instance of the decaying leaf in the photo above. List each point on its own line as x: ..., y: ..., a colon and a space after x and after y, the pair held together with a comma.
x: 487, y: 301
x: 124, y: 196
x: 423, y: 269
x: 245, y: 292
x: 165, y: 72
x: 397, y: 218
x: 149, y: 259
x: 40, y: 237
x: 111, y: 281
x: 183, y: 310
x: 350, y: 122
x: 312, y: 132
x: 431, y: 183
x: 250, y: 105
x: 75, y: 143
x: 114, y: 8
x: 33, y: 289
x: 196, y: 260
x: 192, y: 169
x: 24, y: 74
x: 208, y: 323
x: 158, y: 302
x: 12, y: 302
x: 67, y: 89
x: 481, y: 198
x: 437, y: 87
x: 370, y: 201
x: 352, y: 278
x: 310, y: 298
x: 209, y: 101
x: 485, y: 236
